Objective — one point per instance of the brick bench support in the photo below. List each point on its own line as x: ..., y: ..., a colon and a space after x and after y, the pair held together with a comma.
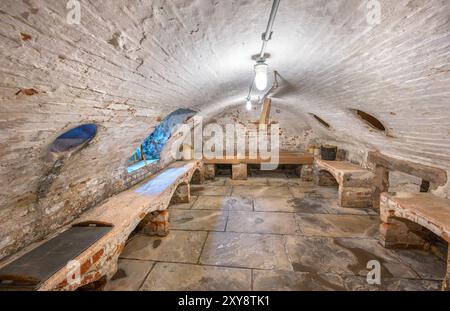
x: 156, y: 224
x: 403, y: 216
x: 143, y: 205
x: 182, y: 194
x: 355, y: 183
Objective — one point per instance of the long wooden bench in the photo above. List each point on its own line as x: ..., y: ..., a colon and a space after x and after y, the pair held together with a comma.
x: 123, y: 213
x: 284, y: 158
x: 423, y: 209
x: 355, y: 183
x: 382, y: 164
x: 239, y: 165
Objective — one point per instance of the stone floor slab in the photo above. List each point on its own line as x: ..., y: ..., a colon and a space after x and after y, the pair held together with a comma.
x: 334, y: 208
x: 130, y: 275
x: 261, y: 191
x: 410, y: 285
x: 274, y: 204
x: 314, y: 192
x: 262, y: 222
x: 223, y: 203
x: 326, y: 206
x: 218, y: 181
x: 355, y: 283
x: 185, y: 277
x: 184, y: 206
x: 331, y: 253
x: 251, y: 181
x: 178, y: 246
x: 198, y: 220
x: 427, y: 265
x: 343, y: 256
x: 271, y: 280
x: 259, y: 251
x: 276, y: 182
x: 210, y: 190
x: 339, y: 225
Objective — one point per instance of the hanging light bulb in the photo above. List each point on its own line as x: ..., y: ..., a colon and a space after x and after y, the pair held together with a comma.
x: 248, y: 104
x: 261, y: 75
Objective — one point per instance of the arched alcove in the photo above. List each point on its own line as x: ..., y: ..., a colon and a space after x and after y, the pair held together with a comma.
x: 198, y: 177
x: 326, y: 179
x: 74, y: 139
x: 370, y: 120
x: 150, y: 150
x: 321, y: 121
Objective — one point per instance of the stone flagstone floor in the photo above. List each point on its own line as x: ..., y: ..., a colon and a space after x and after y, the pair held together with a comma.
x: 269, y: 233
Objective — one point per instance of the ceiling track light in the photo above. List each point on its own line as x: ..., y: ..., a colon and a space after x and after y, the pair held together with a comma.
x: 260, y: 80
x: 267, y: 36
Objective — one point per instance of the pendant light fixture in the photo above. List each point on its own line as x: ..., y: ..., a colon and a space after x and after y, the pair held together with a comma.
x: 261, y: 68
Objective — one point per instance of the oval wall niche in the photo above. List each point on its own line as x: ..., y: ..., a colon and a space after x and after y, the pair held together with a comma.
x: 370, y: 120
x: 74, y: 138
x: 321, y: 121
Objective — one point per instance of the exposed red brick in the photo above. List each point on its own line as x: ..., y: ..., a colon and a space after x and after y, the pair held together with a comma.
x: 97, y: 256
x: 28, y: 92
x: 85, y: 266
x: 25, y: 36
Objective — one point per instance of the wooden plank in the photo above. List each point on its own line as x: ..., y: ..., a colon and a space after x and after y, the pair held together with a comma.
x: 265, y: 112
x: 223, y: 161
x: 437, y: 176
x: 342, y: 166
x: 284, y: 158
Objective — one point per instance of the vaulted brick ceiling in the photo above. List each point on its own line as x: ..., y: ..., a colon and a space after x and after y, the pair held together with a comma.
x: 129, y: 64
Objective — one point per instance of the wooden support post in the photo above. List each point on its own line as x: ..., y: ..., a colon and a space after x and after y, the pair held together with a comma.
x: 239, y: 171
x: 210, y: 171
x: 381, y: 183
x: 307, y: 173
x: 298, y: 171
x: 265, y: 112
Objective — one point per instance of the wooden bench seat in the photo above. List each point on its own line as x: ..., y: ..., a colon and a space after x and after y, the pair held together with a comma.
x: 284, y: 158
x: 124, y: 212
x: 239, y: 166
x: 355, y: 183
x: 423, y: 209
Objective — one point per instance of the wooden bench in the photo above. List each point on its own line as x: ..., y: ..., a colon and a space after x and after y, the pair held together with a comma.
x: 423, y: 209
x: 355, y: 183
x: 239, y: 165
x: 123, y: 212
x: 382, y: 164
